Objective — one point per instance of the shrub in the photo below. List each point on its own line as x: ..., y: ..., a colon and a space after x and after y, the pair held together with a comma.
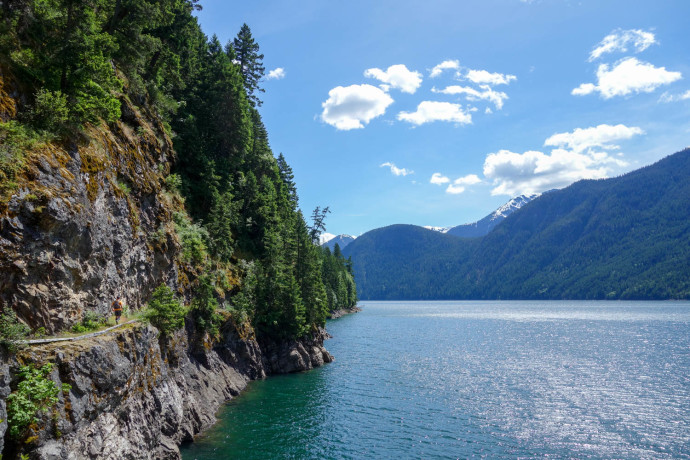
x: 165, y: 311
x: 204, y: 307
x: 173, y: 182
x: 90, y: 322
x: 35, y: 393
x: 12, y: 331
x: 50, y: 110
x: 194, y: 240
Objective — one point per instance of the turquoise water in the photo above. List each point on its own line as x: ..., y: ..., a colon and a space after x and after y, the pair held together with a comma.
x: 476, y: 379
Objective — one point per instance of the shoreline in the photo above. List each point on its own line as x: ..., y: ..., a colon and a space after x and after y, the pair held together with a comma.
x: 343, y: 312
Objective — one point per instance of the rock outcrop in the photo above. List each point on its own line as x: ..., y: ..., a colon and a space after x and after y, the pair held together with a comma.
x: 87, y: 222
x: 137, y: 396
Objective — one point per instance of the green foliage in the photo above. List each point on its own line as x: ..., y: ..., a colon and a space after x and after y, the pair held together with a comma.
x: 246, y: 52
x: 165, y: 311
x: 204, y: 306
x: 91, y: 321
x: 173, y: 182
x: 79, y: 59
x: 50, y: 110
x: 193, y: 238
x: 35, y: 394
x: 16, y: 140
x: 12, y: 332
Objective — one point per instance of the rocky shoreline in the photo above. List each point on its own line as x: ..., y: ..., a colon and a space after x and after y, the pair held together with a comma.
x: 343, y: 311
x: 136, y: 395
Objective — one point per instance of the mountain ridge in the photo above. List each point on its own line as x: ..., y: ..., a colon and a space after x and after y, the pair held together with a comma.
x: 620, y: 238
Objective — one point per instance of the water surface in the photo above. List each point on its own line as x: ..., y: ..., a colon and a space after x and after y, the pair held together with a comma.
x: 477, y: 379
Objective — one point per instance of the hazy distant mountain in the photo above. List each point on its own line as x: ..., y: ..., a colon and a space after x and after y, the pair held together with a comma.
x: 329, y: 240
x: 621, y: 238
x: 485, y: 225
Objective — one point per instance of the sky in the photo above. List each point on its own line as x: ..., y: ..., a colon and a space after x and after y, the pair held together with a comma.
x: 438, y: 112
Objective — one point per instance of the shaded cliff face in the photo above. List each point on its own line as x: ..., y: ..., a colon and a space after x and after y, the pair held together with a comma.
x: 87, y: 223
x: 137, y: 396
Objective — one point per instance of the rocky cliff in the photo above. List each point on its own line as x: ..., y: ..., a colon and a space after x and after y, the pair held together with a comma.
x: 87, y: 221
x: 136, y: 395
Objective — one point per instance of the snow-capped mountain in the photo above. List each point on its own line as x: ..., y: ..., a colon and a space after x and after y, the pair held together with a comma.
x: 325, y: 237
x: 485, y: 225
x: 438, y: 229
x: 329, y: 240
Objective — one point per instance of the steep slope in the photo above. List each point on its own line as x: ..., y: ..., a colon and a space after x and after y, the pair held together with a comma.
x: 77, y: 231
x: 486, y: 224
x: 619, y: 238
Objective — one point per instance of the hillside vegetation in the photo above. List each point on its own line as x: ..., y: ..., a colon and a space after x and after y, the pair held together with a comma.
x: 621, y: 238
x: 127, y: 71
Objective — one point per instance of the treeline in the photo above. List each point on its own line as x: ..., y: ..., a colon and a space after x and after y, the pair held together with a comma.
x: 76, y: 59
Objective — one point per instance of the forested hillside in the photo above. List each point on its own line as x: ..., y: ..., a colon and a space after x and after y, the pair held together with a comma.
x: 70, y: 69
x: 619, y: 238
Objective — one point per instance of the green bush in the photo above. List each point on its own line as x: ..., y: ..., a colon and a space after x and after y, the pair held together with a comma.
x: 204, y: 306
x: 173, y: 182
x: 35, y: 393
x: 194, y: 239
x: 12, y: 332
x: 90, y: 322
x: 50, y: 110
x: 165, y: 311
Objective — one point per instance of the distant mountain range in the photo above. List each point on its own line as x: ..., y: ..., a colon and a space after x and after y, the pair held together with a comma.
x: 329, y: 240
x: 621, y: 238
x: 484, y: 226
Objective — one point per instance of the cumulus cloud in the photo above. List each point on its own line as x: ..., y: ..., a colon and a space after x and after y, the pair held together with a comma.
x: 438, y: 70
x: 597, y: 136
x: 627, y: 76
x: 459, y: 185
x: 438, y: 179
x: 666, y: 97
x: 483, y: 77
x: 428, y: 111
x: 352, y: 107
x: 620, y: 40
x: 472, y: 94
x: 580, y: 154
x: 276, y: 74
x: 395, y: 170
x: 397, y: 76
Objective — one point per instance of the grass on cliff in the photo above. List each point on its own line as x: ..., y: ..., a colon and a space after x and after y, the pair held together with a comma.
x: 16, y: 141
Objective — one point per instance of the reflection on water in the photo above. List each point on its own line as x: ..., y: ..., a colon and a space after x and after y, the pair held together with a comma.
x: 463, y: 379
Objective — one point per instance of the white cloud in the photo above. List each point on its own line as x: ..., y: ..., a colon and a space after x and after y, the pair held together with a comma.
x: 397, y: 76
x: 438, y: 179
x: 395, y: 170
x: 486, y: 93
x: 450, y: 64
x: 276, y: 74
x: 483, y: 77
x: 597, y: 136
x: 627, y: 76
x: 666, y: 97
x: 619, y: 40
x: 428, y: 111
x: 459, y: 185
x: 352, y: 107
x: 580, y: 154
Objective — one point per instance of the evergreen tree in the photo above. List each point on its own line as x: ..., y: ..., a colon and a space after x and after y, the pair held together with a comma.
x: 250, y: 62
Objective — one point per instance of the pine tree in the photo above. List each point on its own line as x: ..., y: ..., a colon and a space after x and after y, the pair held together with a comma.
x: 250, y: 62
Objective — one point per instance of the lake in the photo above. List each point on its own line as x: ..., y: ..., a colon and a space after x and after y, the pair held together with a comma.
x: 476, y: 379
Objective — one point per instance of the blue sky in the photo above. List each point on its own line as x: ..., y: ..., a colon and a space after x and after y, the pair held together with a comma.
x: 437, y: 112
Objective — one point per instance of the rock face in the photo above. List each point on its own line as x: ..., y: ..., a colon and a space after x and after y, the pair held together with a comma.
x: 137, y: 396
x: 87, y: 223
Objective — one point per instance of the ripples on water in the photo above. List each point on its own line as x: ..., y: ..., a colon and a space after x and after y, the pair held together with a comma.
x: 477, y: 379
